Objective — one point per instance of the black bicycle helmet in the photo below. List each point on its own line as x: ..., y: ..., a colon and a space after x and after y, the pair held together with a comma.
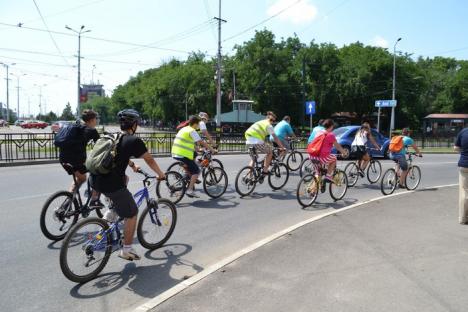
x: 128, y: 116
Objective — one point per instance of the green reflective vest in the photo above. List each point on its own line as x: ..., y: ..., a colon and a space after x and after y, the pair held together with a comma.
x: 184, y: 145
x: 258, y: 130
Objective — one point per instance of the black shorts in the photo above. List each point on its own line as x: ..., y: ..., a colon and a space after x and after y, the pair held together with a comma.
x: 123, y: 203
x: 358, y: 151
x: 80, y: 167
x: 191, y: 165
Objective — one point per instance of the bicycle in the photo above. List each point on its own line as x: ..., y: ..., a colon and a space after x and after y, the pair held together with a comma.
x: 310, y: 184
x: 205, y: 160
x: 391, y: 177
x: 374, y: 171
x: 66, y: 208
x: 249, y: 176
x: 215, y: 180
x: 89, y: 244
x: 294, y: 159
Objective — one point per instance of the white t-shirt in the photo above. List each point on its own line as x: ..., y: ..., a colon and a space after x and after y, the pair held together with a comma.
x: 252, y: 140
x: 202, y: 126
x: 361, y: 138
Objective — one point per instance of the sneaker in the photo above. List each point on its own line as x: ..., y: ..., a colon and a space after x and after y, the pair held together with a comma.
x: 128, y: 254
x: 192, y: 194
x: 198, y: 181
x: 96, y: 204
x: 111, y: 216
x: 262, y: 177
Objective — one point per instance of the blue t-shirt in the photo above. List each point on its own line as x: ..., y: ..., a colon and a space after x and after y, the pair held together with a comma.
x: 314, y: 133
x: 462, y: 143
x: 407, y: 141
x: 282, y: 130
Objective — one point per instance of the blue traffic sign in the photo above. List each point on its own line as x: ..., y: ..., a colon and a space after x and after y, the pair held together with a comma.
x: 385, y: 103
x: 310, y: 107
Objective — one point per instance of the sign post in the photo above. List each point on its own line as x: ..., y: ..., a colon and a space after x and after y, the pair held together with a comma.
x: 310, y: 110
x: 383, y: 103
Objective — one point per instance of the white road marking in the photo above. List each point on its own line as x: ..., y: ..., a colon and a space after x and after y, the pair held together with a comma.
x: 151, y: 304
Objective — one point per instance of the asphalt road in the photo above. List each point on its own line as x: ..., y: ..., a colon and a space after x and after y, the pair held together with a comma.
x: 207, y: 231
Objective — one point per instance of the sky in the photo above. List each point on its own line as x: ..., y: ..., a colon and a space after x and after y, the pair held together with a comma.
x: 131, y: 36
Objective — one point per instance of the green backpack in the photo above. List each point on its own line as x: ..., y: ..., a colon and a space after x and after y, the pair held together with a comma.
x: 101, y: 160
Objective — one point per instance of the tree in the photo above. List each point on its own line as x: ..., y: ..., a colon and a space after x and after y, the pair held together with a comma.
x: 67, y: 113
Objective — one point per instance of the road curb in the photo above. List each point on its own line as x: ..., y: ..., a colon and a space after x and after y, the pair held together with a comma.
x: 153, y: 303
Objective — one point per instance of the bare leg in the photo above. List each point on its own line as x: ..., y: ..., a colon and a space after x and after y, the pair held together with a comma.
x: 403, y: 177
x: 129, y: 230
x: 267, y: 163
x: 331, y: 168
x: 80, y: 179
x: 193, y: 180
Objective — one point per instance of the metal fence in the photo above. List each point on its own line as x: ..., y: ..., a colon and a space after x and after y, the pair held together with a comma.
x: 26, y: 147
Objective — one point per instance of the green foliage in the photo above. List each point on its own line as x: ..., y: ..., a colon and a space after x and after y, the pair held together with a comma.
x: 270, y: 72
x: 103, y: 106
x: 67, y: 113
x: 50, y: 117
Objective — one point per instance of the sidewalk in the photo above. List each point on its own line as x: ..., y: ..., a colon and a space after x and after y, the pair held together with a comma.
x: 406, y: 253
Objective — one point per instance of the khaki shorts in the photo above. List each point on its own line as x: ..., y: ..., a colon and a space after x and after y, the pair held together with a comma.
x: 264, y: 148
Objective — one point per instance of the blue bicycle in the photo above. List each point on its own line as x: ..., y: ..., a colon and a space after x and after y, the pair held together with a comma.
x: 89, y: 243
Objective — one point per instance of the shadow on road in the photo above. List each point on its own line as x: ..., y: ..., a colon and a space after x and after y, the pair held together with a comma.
x: 144, y: 280
x: 335, y: 205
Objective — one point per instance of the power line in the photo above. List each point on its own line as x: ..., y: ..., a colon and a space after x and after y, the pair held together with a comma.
x: 36, y: 62
x: 262, y: 22
x: 51, y: 37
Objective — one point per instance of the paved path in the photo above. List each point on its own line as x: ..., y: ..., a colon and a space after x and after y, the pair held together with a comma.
x: 405, y: 253
x: 207, y: 231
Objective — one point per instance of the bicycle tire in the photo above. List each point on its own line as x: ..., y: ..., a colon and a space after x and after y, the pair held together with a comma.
x: 275, y: 172
x: 410, y: 175
x: 389, y: 178
x: 214, y: 163
x: 42, y: 220
x: 146, y: 213
x: 211, y: 176
x: 304, y: 186
x: 352, y: 173
x: 177, y: 166
x: 175, y: 185
x: 294, y: 161
x: 374, y: 167
x: 252, y: 181
x: 64, y: 251
x: 306, y: 167
x: 339, y: 178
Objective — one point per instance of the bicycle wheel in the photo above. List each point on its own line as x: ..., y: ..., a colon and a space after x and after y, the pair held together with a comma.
x: 374, y: 171
x: 294, y: 161
x: 58, y: 215
x: 172, y: 188
x: 307, y: 190
x: 245, y: 181
x: 156, y: 223
x: 339, y: 186
x: 214, y: 163
x: 215, y: 182
x: 85, y: 250
x: 177, y: 166
x: 389, y: 182
x: 278, y: 177
x: 352, y: 172
x: 306, y: 167
x: 413, y: 178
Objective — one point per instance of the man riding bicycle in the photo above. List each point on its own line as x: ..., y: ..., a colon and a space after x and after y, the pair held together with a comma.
x: 398, y: 148
x: 283, y: 132
x: 183, y: 149
x: 255, y: 137
x: 202, y: 127
x: 325, y: 157
x: 359, y: 146
x: 114, y: 184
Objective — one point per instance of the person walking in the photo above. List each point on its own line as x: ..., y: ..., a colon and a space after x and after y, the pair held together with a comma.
x: 461, y: 146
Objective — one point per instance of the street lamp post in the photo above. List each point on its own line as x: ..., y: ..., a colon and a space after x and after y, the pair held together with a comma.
x: 7, y: 66
x: 18, y: 94
x: 78, y: 108
x: 40, y: 96
x: 392, y: 120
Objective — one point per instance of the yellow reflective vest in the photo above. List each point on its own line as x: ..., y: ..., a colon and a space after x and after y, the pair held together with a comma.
x: 258, y: 130
x: 184, y: 145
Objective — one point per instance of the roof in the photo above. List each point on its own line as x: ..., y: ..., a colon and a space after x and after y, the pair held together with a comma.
x: 447, y: 116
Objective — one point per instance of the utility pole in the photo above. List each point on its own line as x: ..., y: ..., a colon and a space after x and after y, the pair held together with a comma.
x: 92, y: 74
x: 7, y: 89
x: 233, y: 85
x: 392, y: 120
x: 304, y: 94
x: 218, y: 71
x: 18, y: 94
x: 78, y: 108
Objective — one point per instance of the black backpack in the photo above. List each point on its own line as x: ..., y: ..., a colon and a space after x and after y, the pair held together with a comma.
x: 70, y: 135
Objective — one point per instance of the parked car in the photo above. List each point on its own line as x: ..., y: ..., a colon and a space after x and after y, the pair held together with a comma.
x: 30, y: 124
x: 3, y: 123
x: 56, y: 126
x: 345, y: 136
x: 19, y: 122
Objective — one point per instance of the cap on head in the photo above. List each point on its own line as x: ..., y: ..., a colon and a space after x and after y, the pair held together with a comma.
x: 203, y: 115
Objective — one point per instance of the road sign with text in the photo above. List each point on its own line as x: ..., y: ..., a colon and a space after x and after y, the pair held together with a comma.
x: 385, y: 103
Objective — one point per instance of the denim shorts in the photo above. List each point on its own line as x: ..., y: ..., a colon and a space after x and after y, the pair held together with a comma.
x: 401, y: 159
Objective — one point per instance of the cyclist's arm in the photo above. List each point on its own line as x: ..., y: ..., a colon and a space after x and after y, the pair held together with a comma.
x: 415, y: 147
x: 207, y: 146
x: 152, y: 164
x: 339, y: 148
x: 373, y: 141
x: 208, y: 136
x: 277, y: 140
x: 456, y: 148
